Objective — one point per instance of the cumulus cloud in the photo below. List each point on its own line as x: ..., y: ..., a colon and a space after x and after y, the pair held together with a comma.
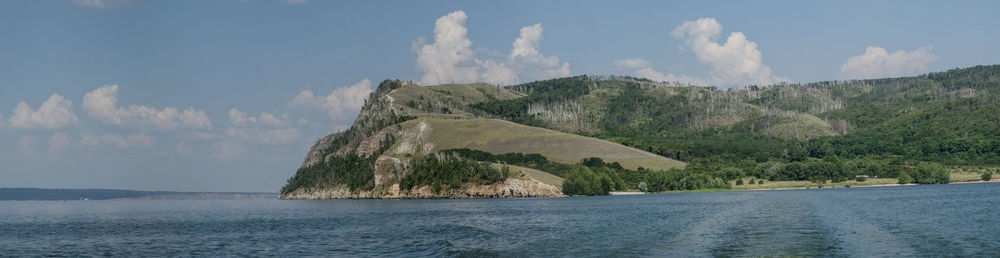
x: 876, y: 62
x: 58, y: 142
x: 196, y: 119
x: 643, y: 69
x: 240, y: 118
x: 340, y: 102
x: 735, y: 62
x: 102, y: 104
x: 249, y: 128
x: 529, y: 62
x: 236, y: 117
x: 56, y: 112
x: 119, y: 141
x: 103, y: 4
x: 450, y: 58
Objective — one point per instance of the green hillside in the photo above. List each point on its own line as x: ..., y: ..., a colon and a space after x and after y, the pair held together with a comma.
x: 654, y: 136
x: 403, y: 124
x: 498, y: 137
x: 947, y: 117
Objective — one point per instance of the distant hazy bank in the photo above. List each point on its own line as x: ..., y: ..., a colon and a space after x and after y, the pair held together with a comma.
x: 44, y: 194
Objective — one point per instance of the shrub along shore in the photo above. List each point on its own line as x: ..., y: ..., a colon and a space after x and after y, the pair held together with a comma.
x: 593, y: 176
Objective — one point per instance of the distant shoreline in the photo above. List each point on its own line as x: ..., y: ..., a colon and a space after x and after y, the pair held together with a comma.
x: 995, y: 180
x: 54, y: 194
x: 863, y: 186
x: 30, y: 194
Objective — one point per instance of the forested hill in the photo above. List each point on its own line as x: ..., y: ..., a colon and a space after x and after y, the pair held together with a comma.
x: 448, y: 141
x: 950, y: 117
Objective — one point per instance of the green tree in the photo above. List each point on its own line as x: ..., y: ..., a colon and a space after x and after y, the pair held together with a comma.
x: 904, y: 178
x: 583, y: 181
x: 931, y: 173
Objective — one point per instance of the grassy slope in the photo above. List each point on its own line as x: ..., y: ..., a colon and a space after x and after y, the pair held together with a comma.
x: 498, y: 136
x: 535, y: 174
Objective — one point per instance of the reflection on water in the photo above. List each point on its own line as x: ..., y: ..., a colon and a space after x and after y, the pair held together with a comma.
x: 936, y: 220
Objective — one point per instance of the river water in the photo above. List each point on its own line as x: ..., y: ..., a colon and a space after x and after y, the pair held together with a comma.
x: 929, y: 220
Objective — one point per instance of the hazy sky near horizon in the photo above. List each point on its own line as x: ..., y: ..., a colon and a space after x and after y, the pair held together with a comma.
x: 229, y: 95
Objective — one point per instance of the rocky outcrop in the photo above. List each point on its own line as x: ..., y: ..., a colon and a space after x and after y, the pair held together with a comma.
x: 377, y: 113
x: 373, y: 135
x: 510, y: 188
x: 315, y: 154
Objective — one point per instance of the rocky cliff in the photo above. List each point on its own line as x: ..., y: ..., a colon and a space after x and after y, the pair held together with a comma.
x: 373, y: 139
x: 511, y: 188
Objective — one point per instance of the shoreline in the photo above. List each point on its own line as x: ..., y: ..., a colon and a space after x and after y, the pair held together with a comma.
x: 995, y: 180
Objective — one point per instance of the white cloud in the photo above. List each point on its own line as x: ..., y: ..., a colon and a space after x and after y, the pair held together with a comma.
x: 240, y: 118
x: 271, y: 120
x: 197, y: 119
x: 530, y: 63
x: 118, y: 140
x: 451, y: 59
x: 56, y: 112
x: 631, y: 63
x: 102, y: 104
x: 58, y: 142
x: 876, y: 62
x: 105, y: 3
x: 340, y: 102
x: 736, y: 62
x: 642, y: 68
x: 26, y: 145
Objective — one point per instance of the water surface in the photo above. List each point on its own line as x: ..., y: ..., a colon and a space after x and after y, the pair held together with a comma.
x: 931, y: 220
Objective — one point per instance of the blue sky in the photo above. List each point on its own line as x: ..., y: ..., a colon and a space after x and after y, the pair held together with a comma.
x: 228, y: 95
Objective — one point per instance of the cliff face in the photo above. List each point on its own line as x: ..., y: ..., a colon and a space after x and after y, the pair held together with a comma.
x: 376, y: 114
x: 376, y: 132
x: 510, y: 188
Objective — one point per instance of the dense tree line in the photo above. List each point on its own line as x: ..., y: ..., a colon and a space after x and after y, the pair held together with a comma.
x: 531, y: 160
x: 352, y: 170
x: 593, y: 176
x: 925, y: 173
x: 443, y: 171
x: 884, y: 126
x: 355, y: 171
x: 678, y: 179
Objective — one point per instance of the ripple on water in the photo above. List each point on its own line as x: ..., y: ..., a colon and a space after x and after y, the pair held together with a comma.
x: 946, y: 220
